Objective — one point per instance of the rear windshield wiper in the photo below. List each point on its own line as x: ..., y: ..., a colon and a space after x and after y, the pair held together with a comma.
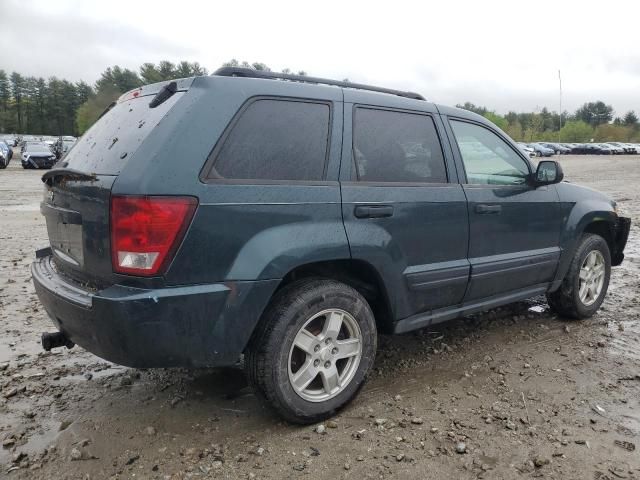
x: 69, y: 173
x: 164, y: 94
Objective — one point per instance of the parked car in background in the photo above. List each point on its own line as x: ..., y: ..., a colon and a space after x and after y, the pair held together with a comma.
x: 28, y: 138
x: 589, y: 149
x: 540, y: 150
x: 571, y: 146
x: 5, y: 154
x: 50, y: 141
x: 558, y: 148
x: 37, y: 155
x: 9, y: 147
x: 614, y: 149
x: 275, y: 241
x: 62, y: 146
x: 526, y: 149
x: 626, y: 147
x: 10, y: 140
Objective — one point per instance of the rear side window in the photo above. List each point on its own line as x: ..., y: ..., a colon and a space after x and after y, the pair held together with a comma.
x: 276, y: 140
x: 391, y: 146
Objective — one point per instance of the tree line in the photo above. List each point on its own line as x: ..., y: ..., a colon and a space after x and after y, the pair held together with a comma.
x: 36, y: 105
x: 53, y: 106
x: 30, y: 105
x: 592, y: 121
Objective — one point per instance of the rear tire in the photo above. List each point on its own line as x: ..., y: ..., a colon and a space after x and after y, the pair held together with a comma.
x: 585, y: 284
x: 312, y: 350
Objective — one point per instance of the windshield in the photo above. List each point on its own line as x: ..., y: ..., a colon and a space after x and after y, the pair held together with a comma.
x: 36, y: 148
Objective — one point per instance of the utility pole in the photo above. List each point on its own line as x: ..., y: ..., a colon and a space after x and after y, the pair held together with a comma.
x: 560, y: 81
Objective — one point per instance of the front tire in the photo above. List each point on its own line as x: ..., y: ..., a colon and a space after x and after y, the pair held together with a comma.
x: 312, y: 350
x: 585, y: 285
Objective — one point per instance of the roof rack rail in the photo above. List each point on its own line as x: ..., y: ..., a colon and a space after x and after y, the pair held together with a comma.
x: 251, y: 73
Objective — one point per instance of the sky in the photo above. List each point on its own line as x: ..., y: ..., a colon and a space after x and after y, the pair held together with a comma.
x: 501, y: 54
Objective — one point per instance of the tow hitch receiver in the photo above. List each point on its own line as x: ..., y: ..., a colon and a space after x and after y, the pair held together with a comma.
x: 54, y: 340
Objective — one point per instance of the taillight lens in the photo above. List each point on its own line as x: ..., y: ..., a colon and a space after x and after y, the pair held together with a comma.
x: 146, y: 231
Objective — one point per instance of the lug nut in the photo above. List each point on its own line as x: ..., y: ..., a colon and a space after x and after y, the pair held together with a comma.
x: 316, y: 348
x: 327, y: 364
x: 316, y: 363
x: 334, y: 351
x: 327, y: 341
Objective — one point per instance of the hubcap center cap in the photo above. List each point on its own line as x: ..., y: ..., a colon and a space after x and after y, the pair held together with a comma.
x: 325, y: 353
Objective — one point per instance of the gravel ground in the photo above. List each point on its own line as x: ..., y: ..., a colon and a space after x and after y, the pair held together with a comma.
x: 512, y: 393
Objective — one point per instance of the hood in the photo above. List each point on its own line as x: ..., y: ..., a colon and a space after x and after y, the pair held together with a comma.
x: 571, y: 192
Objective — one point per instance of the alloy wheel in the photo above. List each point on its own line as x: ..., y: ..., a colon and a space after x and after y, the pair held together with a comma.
x: 592, y: 275
x: 325, y: 355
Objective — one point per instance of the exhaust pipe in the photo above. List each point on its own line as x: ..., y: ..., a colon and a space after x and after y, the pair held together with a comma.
x: 55, y: 340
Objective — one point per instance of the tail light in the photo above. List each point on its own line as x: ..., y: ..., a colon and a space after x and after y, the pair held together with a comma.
x: 146, y: 231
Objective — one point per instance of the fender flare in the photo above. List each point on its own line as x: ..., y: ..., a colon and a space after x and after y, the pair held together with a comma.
x: 580, y: 217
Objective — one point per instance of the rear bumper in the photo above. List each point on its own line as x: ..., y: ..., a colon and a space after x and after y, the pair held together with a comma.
x: 620, y: 237
x: 187, y: 326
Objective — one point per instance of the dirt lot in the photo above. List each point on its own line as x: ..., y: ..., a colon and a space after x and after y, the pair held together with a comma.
x: 512, y: 393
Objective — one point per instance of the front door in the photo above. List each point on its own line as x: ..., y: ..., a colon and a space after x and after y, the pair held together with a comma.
x: 514, y: 226
x: 404, y: 211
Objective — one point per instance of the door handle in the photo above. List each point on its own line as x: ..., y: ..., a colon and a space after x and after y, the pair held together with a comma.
x: 484, y: 209
x: 373, y: 211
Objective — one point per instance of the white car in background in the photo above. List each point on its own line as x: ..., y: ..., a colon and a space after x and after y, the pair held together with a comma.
x: 527, y: 149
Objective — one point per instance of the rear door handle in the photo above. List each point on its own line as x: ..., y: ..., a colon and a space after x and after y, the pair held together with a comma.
x: 373, y: 211
x: 484, y: 209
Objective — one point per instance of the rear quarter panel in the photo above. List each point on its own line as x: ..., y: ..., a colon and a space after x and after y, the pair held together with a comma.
x: 242, y: 230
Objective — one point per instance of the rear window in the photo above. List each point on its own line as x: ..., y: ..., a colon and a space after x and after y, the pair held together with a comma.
x: 108, y: 145
x: 275, y: 140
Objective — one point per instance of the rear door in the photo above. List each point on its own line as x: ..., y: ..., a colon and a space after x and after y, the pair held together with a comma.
x: 514, y: 226
x: 403, y: 209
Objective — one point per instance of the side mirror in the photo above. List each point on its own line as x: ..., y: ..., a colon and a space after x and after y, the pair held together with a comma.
x: 548, y: 172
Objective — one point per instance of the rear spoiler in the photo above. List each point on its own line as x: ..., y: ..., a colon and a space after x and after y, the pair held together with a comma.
x: 50, y: 177
x: 181, y: 85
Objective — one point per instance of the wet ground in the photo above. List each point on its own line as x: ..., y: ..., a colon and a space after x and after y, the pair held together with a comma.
x: 512, y: 393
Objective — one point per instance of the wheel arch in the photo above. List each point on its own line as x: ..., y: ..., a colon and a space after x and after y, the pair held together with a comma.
x: 584, y: 220
x: 358, y: 274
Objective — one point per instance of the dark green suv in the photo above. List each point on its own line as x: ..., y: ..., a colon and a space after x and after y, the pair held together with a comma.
x: 289, y: 219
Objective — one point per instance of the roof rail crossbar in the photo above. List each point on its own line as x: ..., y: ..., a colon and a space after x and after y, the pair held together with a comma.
x: 251, y: 73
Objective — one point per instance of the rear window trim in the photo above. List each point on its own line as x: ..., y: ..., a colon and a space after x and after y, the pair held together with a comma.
x: 213, y: 154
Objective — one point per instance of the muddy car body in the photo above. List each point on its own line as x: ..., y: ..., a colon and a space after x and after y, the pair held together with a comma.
x: 211, y: 217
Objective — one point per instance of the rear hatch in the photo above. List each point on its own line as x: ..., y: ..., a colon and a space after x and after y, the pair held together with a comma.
x: 78, y: 189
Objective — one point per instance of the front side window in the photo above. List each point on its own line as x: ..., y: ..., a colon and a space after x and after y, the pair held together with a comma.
x: 391, y: 146
x: 276, y: 140
x: 487, y: 158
